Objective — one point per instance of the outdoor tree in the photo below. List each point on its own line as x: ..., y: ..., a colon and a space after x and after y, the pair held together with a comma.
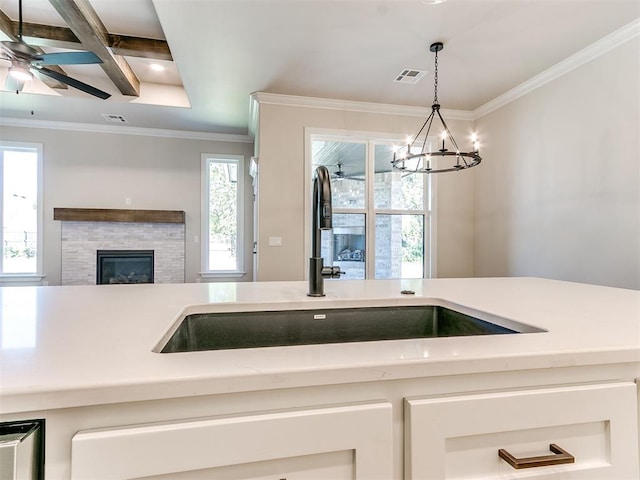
x: 223, y: 206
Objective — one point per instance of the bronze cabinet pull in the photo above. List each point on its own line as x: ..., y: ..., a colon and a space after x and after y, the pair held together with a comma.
x: 560, y: 457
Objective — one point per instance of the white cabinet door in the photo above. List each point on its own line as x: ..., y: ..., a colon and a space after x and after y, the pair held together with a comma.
x: 353, y: 439
x: 459, y: 437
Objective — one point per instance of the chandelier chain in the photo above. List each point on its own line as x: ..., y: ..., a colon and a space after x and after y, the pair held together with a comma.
x: 435, y: 81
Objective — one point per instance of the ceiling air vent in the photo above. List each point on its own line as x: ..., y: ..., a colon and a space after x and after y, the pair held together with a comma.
x: 409, y: 75
x: 110, y: 117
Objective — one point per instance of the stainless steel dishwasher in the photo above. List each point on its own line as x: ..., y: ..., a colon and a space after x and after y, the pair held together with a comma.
x: 22, y: 450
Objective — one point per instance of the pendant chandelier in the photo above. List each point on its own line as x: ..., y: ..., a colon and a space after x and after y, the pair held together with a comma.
x: 431, y: 159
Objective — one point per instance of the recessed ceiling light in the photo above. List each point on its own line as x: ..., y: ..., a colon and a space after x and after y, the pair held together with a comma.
x: 433, y: 2
x: 156, y: 67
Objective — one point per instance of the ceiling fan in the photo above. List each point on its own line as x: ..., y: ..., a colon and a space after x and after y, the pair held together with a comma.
x: 26, y: 59
x: 340, y: 174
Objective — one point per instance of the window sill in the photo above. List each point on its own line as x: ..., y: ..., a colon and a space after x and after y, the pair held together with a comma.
x: 212, y: 275
x: 26, y: 279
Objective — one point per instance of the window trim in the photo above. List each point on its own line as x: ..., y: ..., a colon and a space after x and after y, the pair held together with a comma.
x: 369, y: 138
x: 239, y: 271
x: 38, y: 275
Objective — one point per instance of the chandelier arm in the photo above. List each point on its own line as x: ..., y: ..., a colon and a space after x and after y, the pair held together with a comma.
x: 446, y: 129
x: 429, y: 118
x: 426, y: 135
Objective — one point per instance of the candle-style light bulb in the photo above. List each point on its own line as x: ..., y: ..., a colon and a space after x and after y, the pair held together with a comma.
x: 474, y: 142
x: 408, y: 140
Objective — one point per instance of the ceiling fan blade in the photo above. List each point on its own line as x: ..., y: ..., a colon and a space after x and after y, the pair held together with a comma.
x: 72, y: 82
x: 66, y: 58
x: 18, y: 49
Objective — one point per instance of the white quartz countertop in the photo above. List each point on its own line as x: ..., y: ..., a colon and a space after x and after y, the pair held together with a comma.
x: 88, y: 345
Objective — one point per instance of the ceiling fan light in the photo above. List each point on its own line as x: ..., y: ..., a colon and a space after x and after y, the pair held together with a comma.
x: 20, y: 72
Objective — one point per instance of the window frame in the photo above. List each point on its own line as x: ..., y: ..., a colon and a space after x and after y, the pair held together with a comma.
x: 239, y: 160
x: 370, y: 139
x: 27, y: 277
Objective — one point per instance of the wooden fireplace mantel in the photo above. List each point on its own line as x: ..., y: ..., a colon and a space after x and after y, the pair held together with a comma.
x: 118, y: 215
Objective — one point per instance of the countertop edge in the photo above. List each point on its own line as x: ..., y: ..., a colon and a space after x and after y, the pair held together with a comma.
x: 84, y: 396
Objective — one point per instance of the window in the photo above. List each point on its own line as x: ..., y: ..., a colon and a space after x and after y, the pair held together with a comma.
x: 20, y: 210
x: 222, y: 221
x: 382, y: 218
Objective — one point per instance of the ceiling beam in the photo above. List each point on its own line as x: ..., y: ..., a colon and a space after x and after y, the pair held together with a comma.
x: 63, y: 37
x: 50, y: 36
x: 6, y: 25
x: 89, y: 29
x: 10, y: 29
x: 140, y: 47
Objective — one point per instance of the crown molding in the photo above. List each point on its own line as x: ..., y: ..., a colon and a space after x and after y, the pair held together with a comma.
x: 254, y: 115
x: 576, y: 60
x: 354, y: 106
x: 124, y: 130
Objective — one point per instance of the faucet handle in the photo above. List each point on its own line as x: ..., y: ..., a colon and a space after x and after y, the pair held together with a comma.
x: 336, y: 272
x: 332, y: 272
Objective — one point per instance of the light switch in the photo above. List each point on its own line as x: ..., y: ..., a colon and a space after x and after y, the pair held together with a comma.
x: 275, y: 241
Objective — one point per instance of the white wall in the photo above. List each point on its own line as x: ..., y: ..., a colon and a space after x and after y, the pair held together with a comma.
x: 282, y: 193
x: 101, y: 170
x: 558, y: 194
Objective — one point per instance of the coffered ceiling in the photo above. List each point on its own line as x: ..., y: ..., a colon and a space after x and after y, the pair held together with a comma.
x: 216, y: 52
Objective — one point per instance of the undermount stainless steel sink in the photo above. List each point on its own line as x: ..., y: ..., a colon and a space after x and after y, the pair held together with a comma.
x: 234, y: 330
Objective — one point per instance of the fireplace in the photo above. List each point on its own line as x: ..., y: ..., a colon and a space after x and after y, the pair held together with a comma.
x: 124, y: 266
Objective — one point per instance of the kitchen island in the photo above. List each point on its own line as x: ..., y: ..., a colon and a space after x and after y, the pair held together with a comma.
x: 83, y: 358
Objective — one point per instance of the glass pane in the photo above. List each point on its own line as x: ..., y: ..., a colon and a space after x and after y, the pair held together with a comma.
x: 223, y: 215
x: 346, y: 164
x: 399, y: 246
x: 394, y: 189
x: 344, y: 245
x: 20, y: 212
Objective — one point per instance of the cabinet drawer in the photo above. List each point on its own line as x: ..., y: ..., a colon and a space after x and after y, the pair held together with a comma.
x: 321, y: 466
x: 459, y: 437
x: 254, y: 443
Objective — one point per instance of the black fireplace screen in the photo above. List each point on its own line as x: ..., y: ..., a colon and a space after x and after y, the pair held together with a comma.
x: 124, y: 266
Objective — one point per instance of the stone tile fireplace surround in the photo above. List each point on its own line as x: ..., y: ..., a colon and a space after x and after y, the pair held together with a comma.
x: 87, y: 230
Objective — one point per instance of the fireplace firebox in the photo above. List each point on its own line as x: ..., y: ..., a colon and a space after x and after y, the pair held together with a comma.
x: 124, y: 266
